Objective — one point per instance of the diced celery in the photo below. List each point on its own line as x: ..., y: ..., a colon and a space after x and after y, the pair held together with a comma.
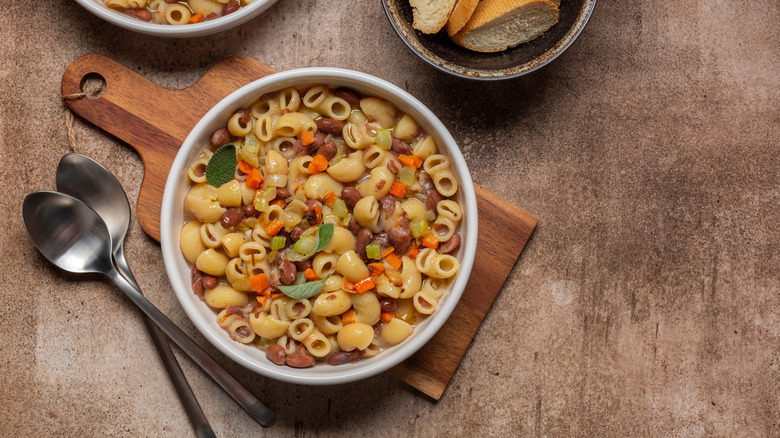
x: 406, y: 176
x: 383, y: 139
x: 374, y: 251
x: 340, y: 208
x: 278, y: 242
x: 305, y: 245
x: 419, y: 228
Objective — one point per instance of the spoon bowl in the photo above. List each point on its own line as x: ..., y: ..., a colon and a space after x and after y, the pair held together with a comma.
x: 87, y: 180
x: 67, y: 232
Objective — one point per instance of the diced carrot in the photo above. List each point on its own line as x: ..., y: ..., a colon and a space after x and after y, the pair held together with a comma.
x: 261, y: 299
x: 387, y: 251
x: 276, y: 295
x: 412, y: 161
x: 318, y: 164
x: 393, y: 260
x: 413, y: 251
x: 245, y: 167
x: 258, y: 282
x: 365, y: 285
x: 348, y: 317
x: 279, y: 202
x: 318, y: 214
x: 274, y: 227
x: 376, y: 268
x: 307, y: 138
x: 310, y: 275
x: 254, y: 178
x: 197, y: 18
x: 398, y: 189
x: 430, y: 241
x: 329, y: 199
x: 387, y: 316
x: 349, y: 286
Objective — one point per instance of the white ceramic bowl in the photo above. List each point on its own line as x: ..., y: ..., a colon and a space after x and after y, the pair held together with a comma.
x: 172, y: 219
x: 241, y: 16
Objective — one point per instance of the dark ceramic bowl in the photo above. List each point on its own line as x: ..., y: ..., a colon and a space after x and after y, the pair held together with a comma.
x: 439, y: 50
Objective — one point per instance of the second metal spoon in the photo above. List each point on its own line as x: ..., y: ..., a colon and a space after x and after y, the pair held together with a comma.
x: 88, y: 181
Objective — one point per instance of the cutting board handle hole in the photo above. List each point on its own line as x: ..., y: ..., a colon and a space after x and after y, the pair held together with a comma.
x: 93, y: 85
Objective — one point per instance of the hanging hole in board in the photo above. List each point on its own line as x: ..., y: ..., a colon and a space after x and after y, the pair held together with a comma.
x: 93, y: 85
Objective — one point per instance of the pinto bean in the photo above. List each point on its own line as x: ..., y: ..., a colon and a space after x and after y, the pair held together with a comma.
x: 300, y: 149
x: 300, y: 359
x: 246, y: 116
x: 231, y: 217
x: 143, y: 14
x: 388, y: 204
x: 330, y: 126
x: 288, y: 271
x: 220, y: 137
x: 211, y: 16
x: 363, y: 238
x: 303, y: 266
x: 351, y: 96
x: 328, y: 150
x: 383, y: 239
x: 296, y: 233
x: 388, y: 304
x: 342, y: 357
x: 354, y: 227
x: 275, y: 353
x: 400, y: 235
x: 400, y: 147
x: 319, y: 141
x: 249, y: 211
x: 377, y: 329
x: 210, y: 282
x: 282, y: 193
x: 230, y: 8
x: 450, y: 245
x: 197, y: 282
x: 350, y: 195
x: 433, y: 195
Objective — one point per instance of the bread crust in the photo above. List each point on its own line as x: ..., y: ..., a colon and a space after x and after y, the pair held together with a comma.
x: 493, y: 14
x: 430, y: 16
x: 461, y: 14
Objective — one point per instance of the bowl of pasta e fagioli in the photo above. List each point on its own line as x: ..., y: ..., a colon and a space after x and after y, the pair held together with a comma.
x: 319, y: 225
x: 176, y: 18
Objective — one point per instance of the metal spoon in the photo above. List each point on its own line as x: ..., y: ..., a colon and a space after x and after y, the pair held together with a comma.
x: 88, y: 181
x: 72, y: 236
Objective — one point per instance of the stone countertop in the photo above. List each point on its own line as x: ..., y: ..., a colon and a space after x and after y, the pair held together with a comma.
x: 646, y: 303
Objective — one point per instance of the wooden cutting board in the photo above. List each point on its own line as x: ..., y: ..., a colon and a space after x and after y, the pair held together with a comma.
x: 155, y: 121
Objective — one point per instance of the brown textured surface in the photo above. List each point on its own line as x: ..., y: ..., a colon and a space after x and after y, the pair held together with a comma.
x: 504, y: 229
x: 647, y: 302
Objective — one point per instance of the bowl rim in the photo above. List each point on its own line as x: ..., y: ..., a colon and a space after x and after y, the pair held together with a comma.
x: 497, y: 75
x: 169, y: 229
x: 241, y: 16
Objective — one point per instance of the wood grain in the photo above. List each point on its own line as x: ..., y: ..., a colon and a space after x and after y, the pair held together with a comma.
x: 155, y: 121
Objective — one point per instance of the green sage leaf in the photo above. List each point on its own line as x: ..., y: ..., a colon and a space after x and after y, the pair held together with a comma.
x: 305, y: 290
x: 221, y: 166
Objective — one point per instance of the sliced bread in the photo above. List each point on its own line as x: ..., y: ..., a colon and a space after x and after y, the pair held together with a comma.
x: 460, y: 15
x: 430, y: 16
x: 497, y: 25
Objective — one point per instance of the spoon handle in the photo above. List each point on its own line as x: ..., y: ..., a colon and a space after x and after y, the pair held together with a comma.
x: 249, y: 402
x: 187, y: 397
